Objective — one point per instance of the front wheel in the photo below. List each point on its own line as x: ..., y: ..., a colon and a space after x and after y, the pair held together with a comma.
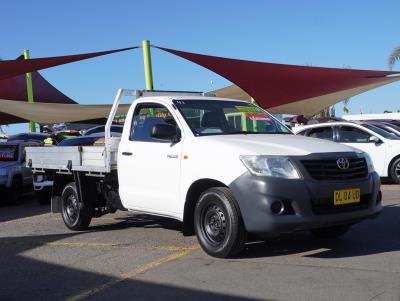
x: 76, y: 215
x: 218, y: 223
x: 15, y: 190
x: 330, y: 232
x: 394, y: 171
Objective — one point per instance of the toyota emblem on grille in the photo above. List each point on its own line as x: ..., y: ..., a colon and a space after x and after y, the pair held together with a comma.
x: 343, y: 163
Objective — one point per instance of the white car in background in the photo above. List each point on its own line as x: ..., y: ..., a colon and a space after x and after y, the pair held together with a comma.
x: 382, y: 146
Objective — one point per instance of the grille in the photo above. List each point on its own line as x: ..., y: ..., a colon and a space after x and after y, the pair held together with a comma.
x: 325, y: 205
x: 328, y: 169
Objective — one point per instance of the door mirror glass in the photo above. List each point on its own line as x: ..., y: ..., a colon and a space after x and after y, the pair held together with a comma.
x: 374, y: 139
x: 165, y: 132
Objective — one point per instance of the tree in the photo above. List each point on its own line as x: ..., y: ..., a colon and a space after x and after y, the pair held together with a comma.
x: 394, y: 57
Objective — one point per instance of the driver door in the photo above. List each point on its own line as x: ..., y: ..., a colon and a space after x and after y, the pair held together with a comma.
x: 149, y: 169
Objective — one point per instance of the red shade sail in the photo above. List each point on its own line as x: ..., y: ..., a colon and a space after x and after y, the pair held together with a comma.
x: 12, y: 68
x: 13, y: 81
x: 278, y: 85
x: 15, y: 89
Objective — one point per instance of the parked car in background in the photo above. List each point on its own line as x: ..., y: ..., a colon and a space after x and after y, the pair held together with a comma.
x: 15, y: 177
x: 389, y: 127
x: 100, y: 129
x: 38, y: 137
x: 394, y: 122
x: 382, y: 146
x: 41, y: 185
x: 93, y: 139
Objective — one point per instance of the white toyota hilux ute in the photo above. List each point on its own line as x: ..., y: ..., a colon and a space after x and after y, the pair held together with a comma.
x: 223, y: 167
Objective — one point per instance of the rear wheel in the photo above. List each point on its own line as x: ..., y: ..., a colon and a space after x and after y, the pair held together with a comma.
x: 394, y: 171
x: 330, y: 232
x: 76, y: 215
x: 218, y: 223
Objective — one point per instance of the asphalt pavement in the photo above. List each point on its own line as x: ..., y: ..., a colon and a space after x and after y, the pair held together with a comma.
x: 138, y: 257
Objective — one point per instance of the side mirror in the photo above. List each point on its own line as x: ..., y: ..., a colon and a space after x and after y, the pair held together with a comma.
x: 374, y: 139
x: 166, y: 132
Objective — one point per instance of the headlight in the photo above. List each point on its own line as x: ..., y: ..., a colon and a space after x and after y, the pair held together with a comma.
x: 370, y: 164
x: 279, y: 167
x: 39, y: 178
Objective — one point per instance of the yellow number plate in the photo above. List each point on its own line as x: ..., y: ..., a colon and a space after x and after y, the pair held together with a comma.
x: 346, y: 196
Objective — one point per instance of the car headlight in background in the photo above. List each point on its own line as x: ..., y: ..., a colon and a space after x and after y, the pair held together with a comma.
x: 370, y: 164
x: 270, y: 166
x: 3, y: 172
x: 38, y: 178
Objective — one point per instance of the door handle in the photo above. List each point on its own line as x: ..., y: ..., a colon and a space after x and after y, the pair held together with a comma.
x: 126, y: 153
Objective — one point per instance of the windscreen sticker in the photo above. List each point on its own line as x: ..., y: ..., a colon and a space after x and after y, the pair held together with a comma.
x: 255, y: 116
x: 248, y: 109
x: 7, y: 154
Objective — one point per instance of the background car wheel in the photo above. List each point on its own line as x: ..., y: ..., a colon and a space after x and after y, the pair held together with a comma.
x: 394, y: 171
x: 218, y: 223
x: 330, y: 232
x: 76, y: 215
x: 15, y: 191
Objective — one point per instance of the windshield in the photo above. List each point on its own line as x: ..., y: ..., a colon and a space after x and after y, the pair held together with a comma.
x: 8, y: 153
x: 210, y: 117
x: 382, y: 132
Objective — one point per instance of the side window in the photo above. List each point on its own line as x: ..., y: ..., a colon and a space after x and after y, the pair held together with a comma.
x: 350, y: 134
x: 302, y: 133
x: 145, y: 117
x: 322, y: 133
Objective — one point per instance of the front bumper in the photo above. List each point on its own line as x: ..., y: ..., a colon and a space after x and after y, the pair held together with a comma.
x: 309, y: 202
x: 41, y: 186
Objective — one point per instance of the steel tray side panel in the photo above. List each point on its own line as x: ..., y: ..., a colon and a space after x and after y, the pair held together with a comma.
x: 93, y: 156
x: 53, y: 156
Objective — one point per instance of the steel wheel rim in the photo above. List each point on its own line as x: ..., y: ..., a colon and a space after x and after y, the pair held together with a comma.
x: 397, y: 170
x: 214, y: 224
x: 71, y: 209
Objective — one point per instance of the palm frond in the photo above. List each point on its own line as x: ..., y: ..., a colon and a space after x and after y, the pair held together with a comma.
x: 394, y: 57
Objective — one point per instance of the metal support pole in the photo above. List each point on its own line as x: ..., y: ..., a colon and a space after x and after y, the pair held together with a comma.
x: 148, y: 73
x: 29, y: 91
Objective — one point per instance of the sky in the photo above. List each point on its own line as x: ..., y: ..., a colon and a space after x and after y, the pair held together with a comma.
x: 352, y: 34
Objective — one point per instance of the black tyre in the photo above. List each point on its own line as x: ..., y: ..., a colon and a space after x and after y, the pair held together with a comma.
x: 330, y: 232
x: 394, y: 171
x: 15, y: 190
x: 218, y: 223
x: 76, y: 215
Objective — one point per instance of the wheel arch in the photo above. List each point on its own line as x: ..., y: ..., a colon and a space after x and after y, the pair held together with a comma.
x: 391, y: 163
x: 192, y: 195
x: 60, y: 180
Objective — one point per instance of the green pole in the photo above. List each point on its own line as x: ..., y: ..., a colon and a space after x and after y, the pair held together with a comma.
x: 148, y: 74
x: 29, y: 90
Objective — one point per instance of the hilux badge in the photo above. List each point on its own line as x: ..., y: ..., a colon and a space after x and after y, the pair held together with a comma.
x: 343, y: 163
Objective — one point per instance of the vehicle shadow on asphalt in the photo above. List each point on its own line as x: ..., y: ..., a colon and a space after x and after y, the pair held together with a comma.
x: 379, y: 235
x: 25, y: 278
x: 140, y: 221
x: 26, y: 207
